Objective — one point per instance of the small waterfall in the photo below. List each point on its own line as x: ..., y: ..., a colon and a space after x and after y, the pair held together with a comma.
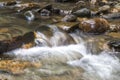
x: 103, y: 66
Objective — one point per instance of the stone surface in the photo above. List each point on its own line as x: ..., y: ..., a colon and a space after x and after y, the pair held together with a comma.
x: 69, y: 18
x: 112, y: 16
x: 84, y: 12
x: 16, y: 66
x: 16, y: 42
x: 67, y: 26
x: 95, y: 26
x: 115, y: 45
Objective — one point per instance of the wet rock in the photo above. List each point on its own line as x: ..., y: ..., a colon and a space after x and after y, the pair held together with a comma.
x: 83, y: 13
x: 45, y: 12
x: 29, y: 15
x: 46, y: 7
x: 27, y: 6
x: 65, y: 0
x: 12, y: 43
x: 16, y: 66
x: 8, y: 3
x: 112, y: 16
x: 69, y: 18
x: 115, y: 45
x: 102, y: 2
x: 117, y: 6
x: 114, y: 35
x: 68, y: 26
x: 52, y: 35
x: 104, y: 9
x: 79, y: 5
x: 94, y: 26
x: 114, y: 28
x: 96, y: 44
x: 56, y: 11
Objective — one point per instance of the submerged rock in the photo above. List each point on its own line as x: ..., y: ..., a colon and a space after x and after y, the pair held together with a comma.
x: 17, y: 66
x: 113, y: 35
x: 94, y: 26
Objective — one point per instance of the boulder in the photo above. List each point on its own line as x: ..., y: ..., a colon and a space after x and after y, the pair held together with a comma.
x: 12, y: 38
x: 94, y: 26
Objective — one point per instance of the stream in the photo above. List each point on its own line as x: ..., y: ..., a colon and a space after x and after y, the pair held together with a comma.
x: 63, y: 56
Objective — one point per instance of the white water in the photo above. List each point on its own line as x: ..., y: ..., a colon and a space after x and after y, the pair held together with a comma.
x: 104, y: 66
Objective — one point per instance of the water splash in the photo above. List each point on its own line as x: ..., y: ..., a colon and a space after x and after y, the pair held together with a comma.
x: 99, y: 67
x: 104, y: 66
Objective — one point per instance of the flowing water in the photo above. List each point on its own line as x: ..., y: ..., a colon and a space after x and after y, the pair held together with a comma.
x: 66, y: 62
x: 64, y: 56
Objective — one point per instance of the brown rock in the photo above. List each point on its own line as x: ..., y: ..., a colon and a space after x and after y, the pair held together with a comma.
x: 114, y: 35
x: 95, y: 26
x: 68, y: 26
x: 16, y: 42
x: 16, y: 66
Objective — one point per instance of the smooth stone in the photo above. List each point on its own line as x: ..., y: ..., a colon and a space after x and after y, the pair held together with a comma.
x: 84, y: 12
x: 68, y: 26
x: 112, y: 16
x: 69, y: 18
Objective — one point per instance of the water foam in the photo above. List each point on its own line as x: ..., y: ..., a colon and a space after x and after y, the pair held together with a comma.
x: 99, y: 67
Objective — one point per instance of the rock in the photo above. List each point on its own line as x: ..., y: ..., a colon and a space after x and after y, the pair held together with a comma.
x: 8, y: 3
x: 27, y: 6
x: 29, y: 15
x: 46, y: 7
x: 114, y: 28
x: 65, y: 0
x: 17, y: 66
x: 117, y: 6
x: 45, y: 12
x: 115, y: 44
x: 52, y: 35
x: 96, y: 44
x: 68, y: 26
x: 83, y: 13
x: 12, y: 38
x: 69, y: 18
x: 104, y: 9
x: 79, y: 5
x: 56, y: 11
x: 114, y: 35
x: 94, y: 26
x: 112, y: 16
